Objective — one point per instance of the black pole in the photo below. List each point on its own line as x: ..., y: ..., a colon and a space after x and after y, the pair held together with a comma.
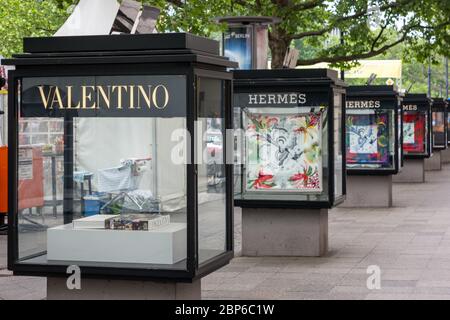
x: 341, y: 34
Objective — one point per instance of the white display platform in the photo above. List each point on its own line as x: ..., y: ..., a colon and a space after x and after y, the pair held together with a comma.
x: 165, y: 245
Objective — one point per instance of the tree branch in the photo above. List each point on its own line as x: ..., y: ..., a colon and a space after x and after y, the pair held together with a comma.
x: 383, y: 28
x: 178, y: 3
x: 306, y: 5
x: 356, y: 15
x: 372, y: 52
x: 352, y: 57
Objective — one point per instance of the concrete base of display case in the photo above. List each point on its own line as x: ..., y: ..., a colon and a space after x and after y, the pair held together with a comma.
x: 97, y: 289
x: 445, y: 156
x: 413, y: 171
x: 434, y: 163
x: 284, y: 232
x: 368, y: 192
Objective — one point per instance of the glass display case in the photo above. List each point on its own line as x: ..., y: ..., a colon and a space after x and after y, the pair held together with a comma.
x: 373, y: 130
x: 291, y: 144
x: 104, y: 136
x: 448, y: 123
x: 417, y: 138
x: 439, y: 119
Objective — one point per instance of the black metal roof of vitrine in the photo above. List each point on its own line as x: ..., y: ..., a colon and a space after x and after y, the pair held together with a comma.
x: 277, y: 76
x: 417, y: 97
x: 439, y: 104
x: 142, y: 48
x: 372, y: 91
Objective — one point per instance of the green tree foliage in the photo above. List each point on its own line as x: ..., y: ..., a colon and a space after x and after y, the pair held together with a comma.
x: 363, y: 25
x: 315, y: 26
x: 26, y: 18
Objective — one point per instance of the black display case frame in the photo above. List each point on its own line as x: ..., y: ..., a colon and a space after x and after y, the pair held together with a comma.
x: 383, y: 97
x: 440, y: 105
x: 421, y: 103
x: 322, y: 83
x: 153, y: 54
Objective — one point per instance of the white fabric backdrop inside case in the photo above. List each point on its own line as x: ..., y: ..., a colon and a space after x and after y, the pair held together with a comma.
x: 101, y: 143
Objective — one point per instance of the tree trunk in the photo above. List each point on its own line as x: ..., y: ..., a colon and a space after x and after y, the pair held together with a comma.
x: 279, y: 42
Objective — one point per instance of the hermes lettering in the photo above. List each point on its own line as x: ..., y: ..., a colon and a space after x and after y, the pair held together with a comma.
x: 363, y: 104
x: 276, y: 98
x: 410, y: 107
x: 104, y: 97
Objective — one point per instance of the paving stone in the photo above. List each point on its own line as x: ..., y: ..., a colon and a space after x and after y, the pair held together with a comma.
x: 410, y: 243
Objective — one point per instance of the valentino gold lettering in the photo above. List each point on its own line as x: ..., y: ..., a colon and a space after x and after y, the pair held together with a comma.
x: 106, y: 97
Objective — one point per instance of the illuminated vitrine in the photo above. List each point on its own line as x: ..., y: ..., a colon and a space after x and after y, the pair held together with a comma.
x: 373, y: 127
x: 291, y: 143
x: 439, y: 123
x: 417, y: 138
x: 116, y: 187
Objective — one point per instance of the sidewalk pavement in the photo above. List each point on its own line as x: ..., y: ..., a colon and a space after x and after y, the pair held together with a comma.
x: 410, y: 243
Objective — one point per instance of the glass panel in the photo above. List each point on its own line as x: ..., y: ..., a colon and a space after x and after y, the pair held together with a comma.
x: 415, y: 132
x: 211, y: 169
x: 238, y: 151
x: 285, y: 151
x: 439, y: 138
x: 371, y: 139
x: 338, y: 157
x: 102, y: 176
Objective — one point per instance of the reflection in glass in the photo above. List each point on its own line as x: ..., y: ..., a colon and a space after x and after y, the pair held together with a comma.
x: 211, y: 170
x: 415, y: 126
x: 370, y: 139
x: 439, y: 139
x: 285, y: 153
x: 101, y: 182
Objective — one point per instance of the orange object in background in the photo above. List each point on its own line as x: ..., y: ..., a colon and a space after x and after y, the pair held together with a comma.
x: 3, y: 180
x: 31, y: 178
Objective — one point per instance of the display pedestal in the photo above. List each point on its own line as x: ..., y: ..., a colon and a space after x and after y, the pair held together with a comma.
x: 96, y: 289
x: 368, y: 192
x: 284, y: 232
x: 413, y: 171
x: 445, y: 156
x: 434, y: 163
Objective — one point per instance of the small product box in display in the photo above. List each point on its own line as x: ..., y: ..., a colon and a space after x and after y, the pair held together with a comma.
x: 115, y: 122
x: 291, y: 154
x: 417, y: 138
x: 373, y: 144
